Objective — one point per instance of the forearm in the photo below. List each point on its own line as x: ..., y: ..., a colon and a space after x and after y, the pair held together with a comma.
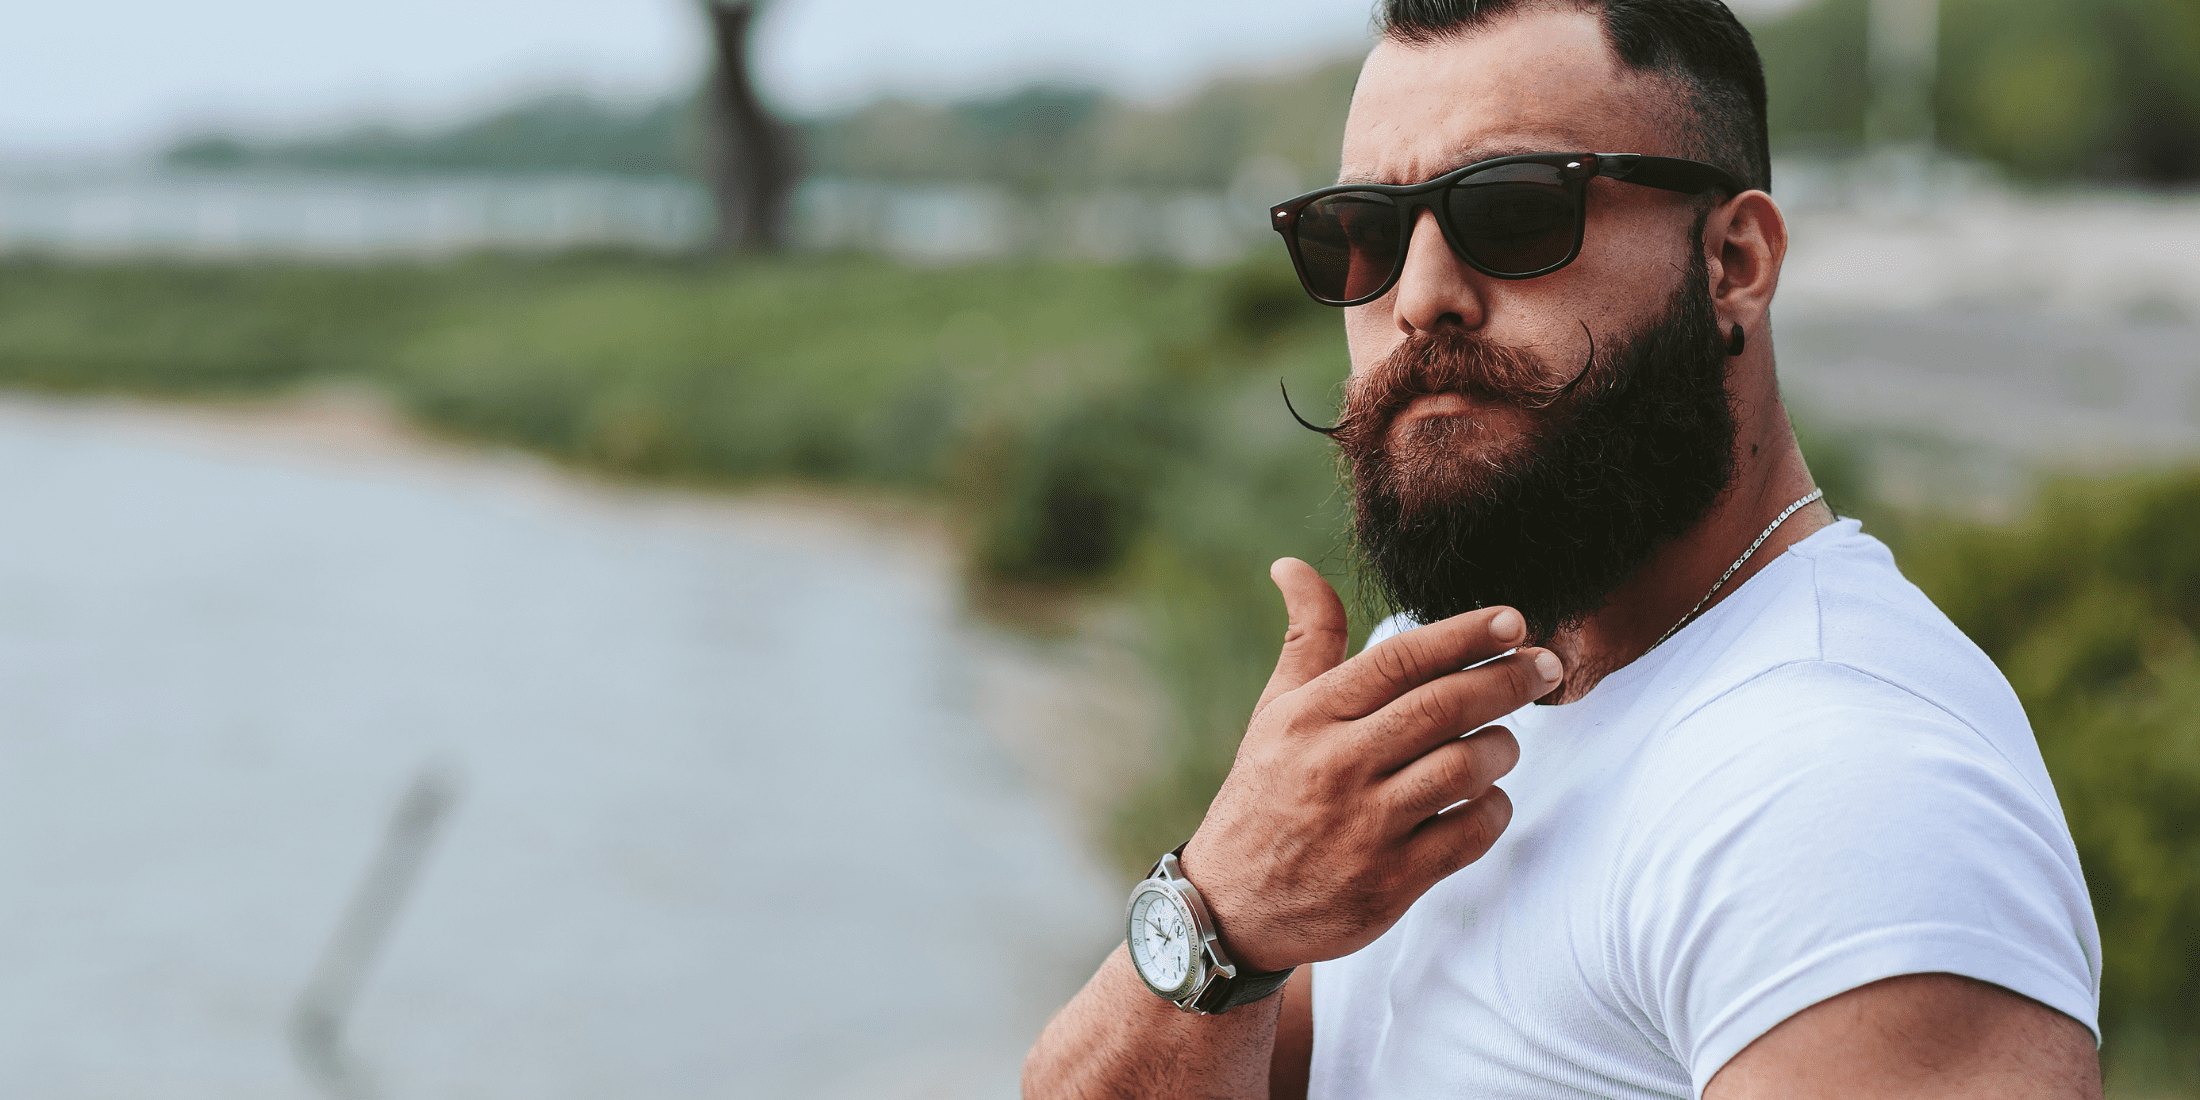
x: 1116, y: 1039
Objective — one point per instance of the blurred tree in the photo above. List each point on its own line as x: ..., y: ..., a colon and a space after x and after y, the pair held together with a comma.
x: 1901, y: 56
x: 1815, y: 61
x: 749, y: 156
x: 2102, y: 88
x: 2050, y: 89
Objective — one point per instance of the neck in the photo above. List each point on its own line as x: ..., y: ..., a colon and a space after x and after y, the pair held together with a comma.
x: 1769, y: 475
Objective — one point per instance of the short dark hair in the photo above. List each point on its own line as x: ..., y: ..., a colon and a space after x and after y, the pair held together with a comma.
x: 1696, y: 44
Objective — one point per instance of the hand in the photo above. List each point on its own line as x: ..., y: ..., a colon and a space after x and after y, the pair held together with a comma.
x: 1338, y: 813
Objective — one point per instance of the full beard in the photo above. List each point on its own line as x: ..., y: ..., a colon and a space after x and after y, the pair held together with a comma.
x: 1551, y: 522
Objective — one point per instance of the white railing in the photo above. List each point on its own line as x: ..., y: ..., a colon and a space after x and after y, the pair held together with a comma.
x: 226, y: 214
x: 223, y: 214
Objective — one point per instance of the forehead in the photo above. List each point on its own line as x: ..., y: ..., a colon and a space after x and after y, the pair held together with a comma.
x: 1541, y: 81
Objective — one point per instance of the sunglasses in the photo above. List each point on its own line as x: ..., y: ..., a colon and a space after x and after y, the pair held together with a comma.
x: 1508, y: 218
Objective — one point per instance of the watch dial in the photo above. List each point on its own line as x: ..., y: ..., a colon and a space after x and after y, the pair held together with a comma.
x: 1161, y: 936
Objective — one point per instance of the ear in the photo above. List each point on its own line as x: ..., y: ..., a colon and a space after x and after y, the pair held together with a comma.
x: 1745, y: 240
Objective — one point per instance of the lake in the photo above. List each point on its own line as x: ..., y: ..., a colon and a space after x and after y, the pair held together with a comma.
x: 724, y: 819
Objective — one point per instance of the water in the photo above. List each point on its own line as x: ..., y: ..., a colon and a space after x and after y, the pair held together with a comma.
x: 230, y: 214
x: 726, y: 826
x: 317, y: 215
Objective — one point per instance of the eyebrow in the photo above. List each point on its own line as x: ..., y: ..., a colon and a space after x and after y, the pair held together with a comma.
x: 1471, y: 155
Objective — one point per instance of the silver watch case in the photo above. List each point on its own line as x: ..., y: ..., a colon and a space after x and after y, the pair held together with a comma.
x: 1208, y: 963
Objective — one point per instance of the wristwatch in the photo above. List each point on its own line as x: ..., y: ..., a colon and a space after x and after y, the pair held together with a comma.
x: 1174, y: 948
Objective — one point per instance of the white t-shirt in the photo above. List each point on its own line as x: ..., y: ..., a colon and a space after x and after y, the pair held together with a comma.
x: 1819, y: 784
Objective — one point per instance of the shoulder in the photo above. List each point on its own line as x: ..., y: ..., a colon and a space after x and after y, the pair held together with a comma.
x: 1809, y: 743
x: 1838, y: 618
x: 1837, y: 787
x: 1821, y: 828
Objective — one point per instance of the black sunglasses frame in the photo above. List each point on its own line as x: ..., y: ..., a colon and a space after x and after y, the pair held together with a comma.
x: 1688, y: 177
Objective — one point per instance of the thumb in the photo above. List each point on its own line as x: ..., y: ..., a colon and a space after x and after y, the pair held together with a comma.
x: 1314, y: 643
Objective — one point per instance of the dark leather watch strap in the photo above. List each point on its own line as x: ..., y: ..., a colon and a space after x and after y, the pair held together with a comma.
x: 1224, y: 994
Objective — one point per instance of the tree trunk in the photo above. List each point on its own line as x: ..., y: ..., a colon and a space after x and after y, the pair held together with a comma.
x: 750, y: 155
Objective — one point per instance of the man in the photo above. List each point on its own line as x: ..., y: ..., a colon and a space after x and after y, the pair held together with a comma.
x: 1779, y: 830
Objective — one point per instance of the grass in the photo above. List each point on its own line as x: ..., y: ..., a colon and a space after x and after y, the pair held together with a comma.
x: 1116, y: 428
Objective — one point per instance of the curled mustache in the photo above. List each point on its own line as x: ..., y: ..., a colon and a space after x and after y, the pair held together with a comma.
x: 1450, y: 361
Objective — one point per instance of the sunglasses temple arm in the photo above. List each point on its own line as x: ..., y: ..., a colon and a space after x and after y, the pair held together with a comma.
x: 1688, y: 177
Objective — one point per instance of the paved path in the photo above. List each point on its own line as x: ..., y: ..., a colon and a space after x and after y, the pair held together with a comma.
x: 1962, y: 408
x: 1975, y: 342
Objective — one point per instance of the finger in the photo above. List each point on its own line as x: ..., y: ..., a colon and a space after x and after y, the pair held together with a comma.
x: 1314, y: 642
x: 1458, y: 770
x: 1451, y: 840
x: 1362, y: 685
x: 1448, y: 707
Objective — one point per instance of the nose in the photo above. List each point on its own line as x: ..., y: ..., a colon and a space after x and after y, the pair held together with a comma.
x: 1436, y: 287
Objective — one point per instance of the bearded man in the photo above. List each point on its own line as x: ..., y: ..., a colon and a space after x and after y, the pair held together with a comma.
x: 1777, y: 830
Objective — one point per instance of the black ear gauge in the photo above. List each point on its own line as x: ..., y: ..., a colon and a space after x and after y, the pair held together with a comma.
x: 1734, y: 341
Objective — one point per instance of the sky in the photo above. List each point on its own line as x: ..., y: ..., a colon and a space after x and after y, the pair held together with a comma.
x: 122, y: 75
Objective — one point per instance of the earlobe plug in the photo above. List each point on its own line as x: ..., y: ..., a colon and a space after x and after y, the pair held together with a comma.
x: 1735, y: 341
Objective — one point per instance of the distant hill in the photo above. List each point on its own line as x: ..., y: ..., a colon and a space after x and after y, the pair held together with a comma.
x: 2049, y: 89
x: 564, y: 132
x: 1039, y: 138
x: 1052, y: 138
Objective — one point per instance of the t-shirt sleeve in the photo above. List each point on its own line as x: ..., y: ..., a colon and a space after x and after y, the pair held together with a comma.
x: 1754, y: 887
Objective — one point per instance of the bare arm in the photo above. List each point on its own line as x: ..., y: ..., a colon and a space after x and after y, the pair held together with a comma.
x: 1356, y: 788
x: 1116, y: 1039
x: 1919, y: 1035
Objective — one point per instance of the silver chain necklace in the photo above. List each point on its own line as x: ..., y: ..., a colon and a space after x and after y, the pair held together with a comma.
x: 1814, y: 494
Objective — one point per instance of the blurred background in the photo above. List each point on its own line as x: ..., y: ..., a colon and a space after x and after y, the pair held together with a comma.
x: 652, y: 547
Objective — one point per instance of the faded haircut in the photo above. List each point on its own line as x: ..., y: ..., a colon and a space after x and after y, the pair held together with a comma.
x: 1696, y: 45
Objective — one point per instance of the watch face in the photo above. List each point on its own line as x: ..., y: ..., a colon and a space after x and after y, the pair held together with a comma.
x: 1163, y: 941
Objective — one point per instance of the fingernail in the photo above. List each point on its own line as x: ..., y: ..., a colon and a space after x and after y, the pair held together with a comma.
x: 1506, y: 624
x: 1546, y: 663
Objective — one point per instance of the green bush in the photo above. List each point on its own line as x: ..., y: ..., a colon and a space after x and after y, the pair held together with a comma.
x: 180, y: 328
x: 2090, y: 606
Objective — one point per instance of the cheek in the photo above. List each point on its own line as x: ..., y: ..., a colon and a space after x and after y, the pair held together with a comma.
x: 1612, y: 290
x: 1369, y: 333
x: 1631, y: 259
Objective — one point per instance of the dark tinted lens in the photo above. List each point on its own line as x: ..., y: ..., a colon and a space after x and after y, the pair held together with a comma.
x: 1515, y: 219
x: 1348, y: 244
